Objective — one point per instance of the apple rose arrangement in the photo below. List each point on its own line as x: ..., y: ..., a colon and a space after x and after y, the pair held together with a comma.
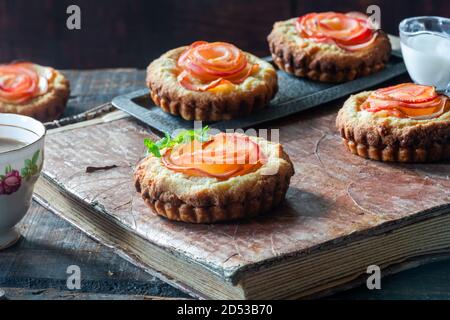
x: 205, y: 66
x: 407, y: 100
x: 196, y: 153
x: 351, y: 31
x: 21, y: 82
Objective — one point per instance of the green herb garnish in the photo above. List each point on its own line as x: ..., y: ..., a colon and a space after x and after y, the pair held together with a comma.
x: 186, y: 136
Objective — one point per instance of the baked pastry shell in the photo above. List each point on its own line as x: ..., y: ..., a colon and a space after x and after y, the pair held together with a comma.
x: 324, y: 62
x: 179, y: 197
x: 253, y: 94
x: 390, y: 138
x: 47, y: 107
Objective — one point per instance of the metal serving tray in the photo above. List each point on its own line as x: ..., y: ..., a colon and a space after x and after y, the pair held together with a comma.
x: 294, y: 95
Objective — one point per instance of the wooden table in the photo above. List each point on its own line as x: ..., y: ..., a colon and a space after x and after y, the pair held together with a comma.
x: 36, y: 267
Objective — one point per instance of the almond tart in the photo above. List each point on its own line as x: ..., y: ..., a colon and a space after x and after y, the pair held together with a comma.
x: 329, y: 46
x: 403, y: 123
x: 33, y: 90
x: 211, y: 82
x: 227, y: 177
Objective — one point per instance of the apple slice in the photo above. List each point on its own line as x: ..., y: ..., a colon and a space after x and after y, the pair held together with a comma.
x: 224, y: 156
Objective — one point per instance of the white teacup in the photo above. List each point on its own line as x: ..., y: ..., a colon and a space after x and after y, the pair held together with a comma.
x: 21, y: 160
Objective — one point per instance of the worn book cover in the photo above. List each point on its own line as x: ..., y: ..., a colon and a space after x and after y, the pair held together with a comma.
x: 342, y: 213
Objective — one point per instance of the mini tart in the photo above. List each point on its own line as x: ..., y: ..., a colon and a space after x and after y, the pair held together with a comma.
x: 44, y: 107
x: 252, y: 94
x: 324, y: 62
x: 192, y: 199
x: 389, y: 138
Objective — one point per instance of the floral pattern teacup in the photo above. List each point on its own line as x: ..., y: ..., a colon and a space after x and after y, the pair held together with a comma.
x: 20, y: 166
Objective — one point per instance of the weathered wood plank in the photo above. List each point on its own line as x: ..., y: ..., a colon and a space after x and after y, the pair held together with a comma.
x: 52, y: 294
x: 95, y: 87
x: 50, y: 245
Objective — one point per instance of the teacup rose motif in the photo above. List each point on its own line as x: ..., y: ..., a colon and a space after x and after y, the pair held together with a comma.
x: 10, y: 182
x: 21, y: 160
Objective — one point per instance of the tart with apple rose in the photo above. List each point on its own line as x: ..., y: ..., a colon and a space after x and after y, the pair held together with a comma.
x: 33, y: 90
x: 205, y: 180
x: 329, y: 46
x: 404, y: 123
x: 211, y: 82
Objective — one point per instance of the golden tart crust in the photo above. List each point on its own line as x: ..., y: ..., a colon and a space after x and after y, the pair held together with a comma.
x: 179, y: 197
x: 254, y: 93
x: 47, y: 107
x: 388, y: 138
x: 324, y: 62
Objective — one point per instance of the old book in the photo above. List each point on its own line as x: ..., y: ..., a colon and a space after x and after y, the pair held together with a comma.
x: 342, y: 214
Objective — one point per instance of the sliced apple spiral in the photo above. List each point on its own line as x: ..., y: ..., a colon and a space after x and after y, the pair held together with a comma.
x: 205, y: 66
x: 21, y: 82
x: 222, y: 157
x: 407, y: 100
x: 351, y: 31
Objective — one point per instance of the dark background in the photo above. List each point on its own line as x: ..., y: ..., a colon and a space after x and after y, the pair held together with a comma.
x: 119, y: 33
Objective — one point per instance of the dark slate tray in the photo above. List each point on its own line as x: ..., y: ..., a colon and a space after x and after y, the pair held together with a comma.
x: 294, y: 95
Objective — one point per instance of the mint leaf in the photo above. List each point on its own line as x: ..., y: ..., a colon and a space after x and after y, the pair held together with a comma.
x: 152, y: 147
x: 167, y: 141
x: 164, y: 142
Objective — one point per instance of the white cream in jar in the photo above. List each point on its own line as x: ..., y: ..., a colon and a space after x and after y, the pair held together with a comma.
x: 425, y: 44
x: 427, y: 58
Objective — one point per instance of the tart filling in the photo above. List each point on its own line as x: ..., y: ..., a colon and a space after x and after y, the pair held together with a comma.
x: 222, y: 157
x: 21, y: 82
x: 351, y: 31
x: 406, y: 100
x: 235, y: 176
x: 215, y: 66
x: 405, y: 123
